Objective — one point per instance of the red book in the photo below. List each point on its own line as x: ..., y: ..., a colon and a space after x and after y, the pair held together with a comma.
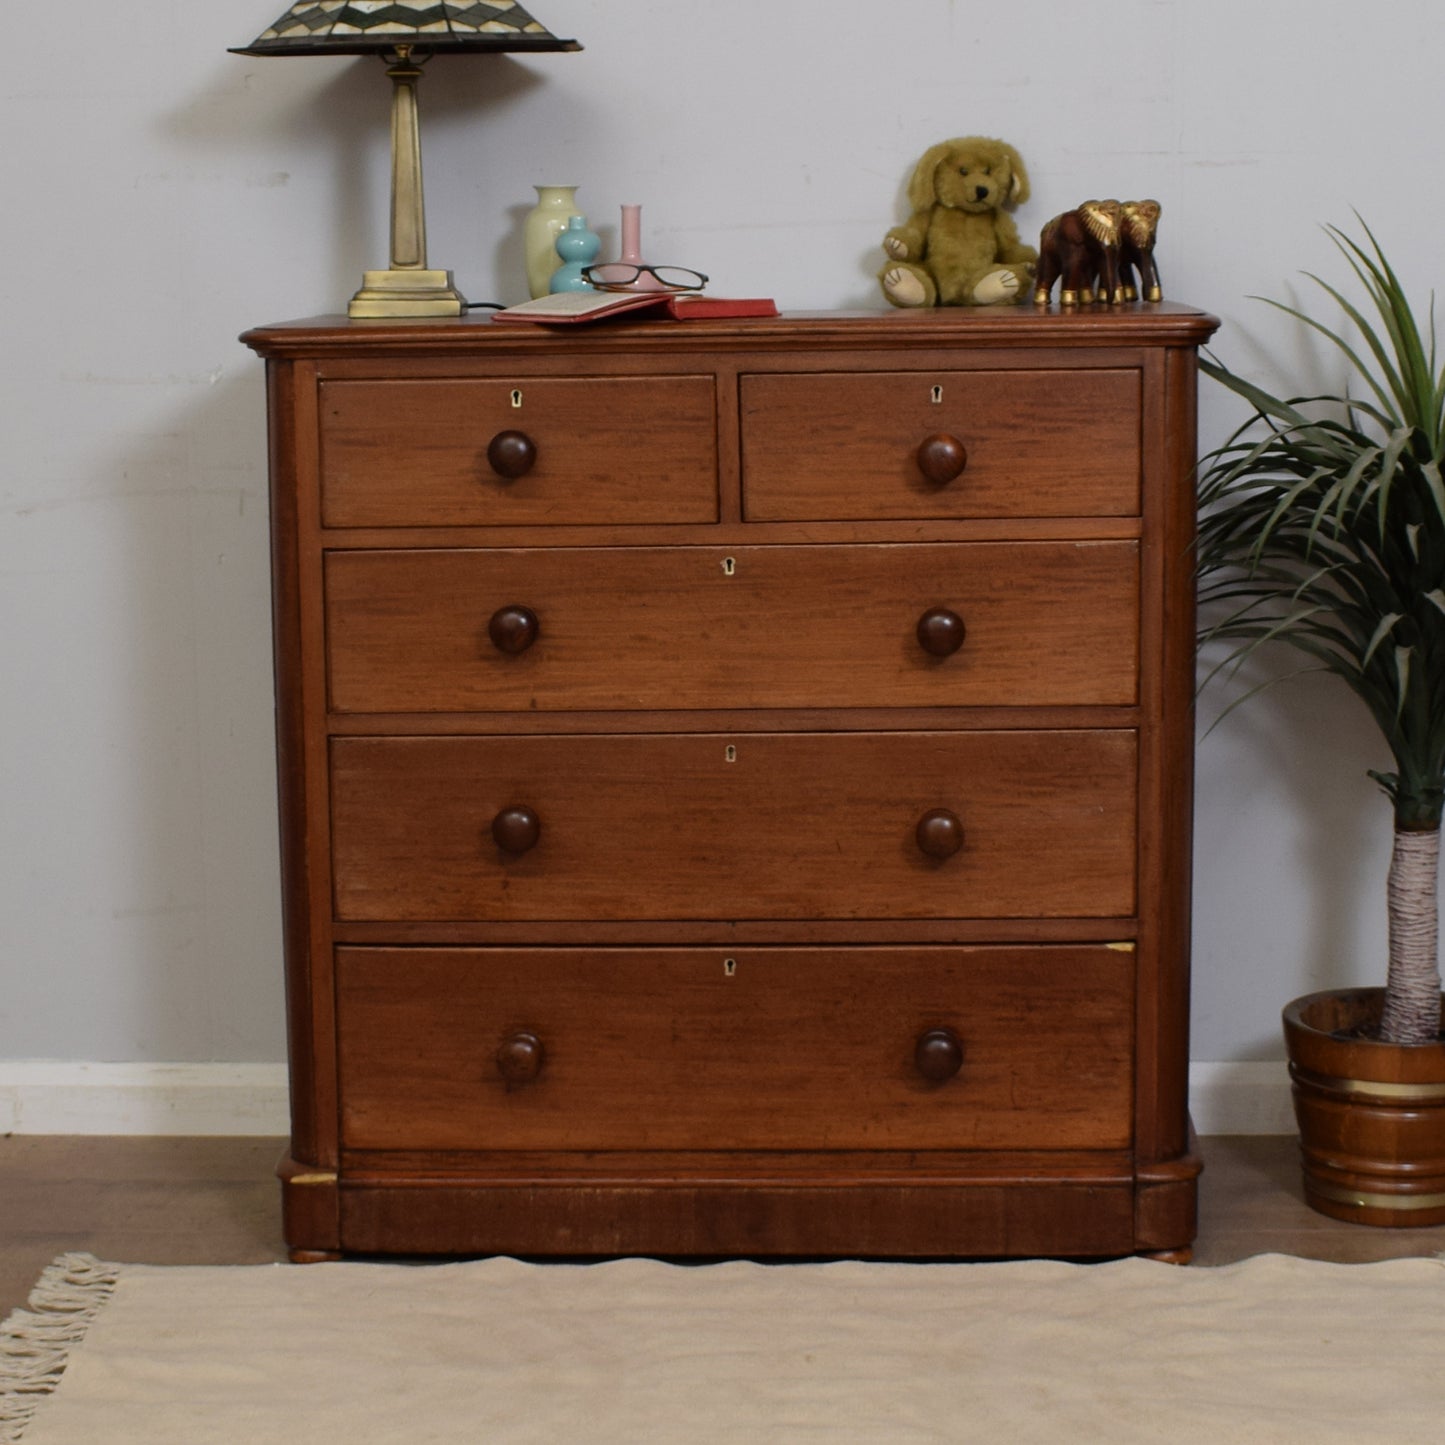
x: 572, y: 308
x: 689, y: 306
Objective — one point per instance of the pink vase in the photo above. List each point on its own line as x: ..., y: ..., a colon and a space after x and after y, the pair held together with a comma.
x: 632, y: 249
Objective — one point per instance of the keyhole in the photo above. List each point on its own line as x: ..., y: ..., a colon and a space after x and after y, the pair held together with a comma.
x: 730, y: 754
x: 937, y: 395
x: 730, y: 967
x: 516, y: 398
x: 729, y: 566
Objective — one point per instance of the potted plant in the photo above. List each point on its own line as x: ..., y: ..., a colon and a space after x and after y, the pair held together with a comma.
x: 1322, y: 527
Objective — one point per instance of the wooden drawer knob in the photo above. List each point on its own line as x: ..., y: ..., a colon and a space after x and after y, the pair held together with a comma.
x: 513, y: 629
x: 938, y: 1055
x: 941, y: 458
x: 516, y: 829
x: 941, y: 632
x: 939, y: 833
x: 520, y: 1059
x: 511, y: 454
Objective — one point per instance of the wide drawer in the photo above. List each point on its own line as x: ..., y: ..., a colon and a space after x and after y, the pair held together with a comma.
x: 602, y: 449
x: 707, y: 826
x: 693, y: 1049
x: 696, y: 627
x: 862, y: 445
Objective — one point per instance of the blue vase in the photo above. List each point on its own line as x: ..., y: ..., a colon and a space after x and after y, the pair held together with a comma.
x: 578, y: 247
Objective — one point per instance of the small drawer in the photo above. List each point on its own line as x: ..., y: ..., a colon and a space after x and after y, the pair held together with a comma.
x: 1004, y: 824
x: 1002, y: 624
x: 877, y: 445
x: 526, y: 451
x: 783, y: 1048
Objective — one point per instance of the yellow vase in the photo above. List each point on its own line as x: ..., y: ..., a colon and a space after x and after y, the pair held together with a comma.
x: 556, y: 205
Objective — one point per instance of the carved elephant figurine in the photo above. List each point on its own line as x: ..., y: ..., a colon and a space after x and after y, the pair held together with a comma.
x: 1076, y: 249
x: 1138, y: 274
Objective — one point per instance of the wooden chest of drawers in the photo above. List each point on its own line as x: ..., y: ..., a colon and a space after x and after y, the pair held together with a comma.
x: 735, y: 783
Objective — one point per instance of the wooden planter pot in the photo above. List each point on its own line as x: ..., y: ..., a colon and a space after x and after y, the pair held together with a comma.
x: 1371, y: 1115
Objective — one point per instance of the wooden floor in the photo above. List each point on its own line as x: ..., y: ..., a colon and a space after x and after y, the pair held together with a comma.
x: 215, y: 1201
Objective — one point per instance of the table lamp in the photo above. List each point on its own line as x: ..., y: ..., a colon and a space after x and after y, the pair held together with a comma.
x: 406, y: 33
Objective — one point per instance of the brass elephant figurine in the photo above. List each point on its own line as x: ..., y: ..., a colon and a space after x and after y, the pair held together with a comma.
x: 1103, y: 244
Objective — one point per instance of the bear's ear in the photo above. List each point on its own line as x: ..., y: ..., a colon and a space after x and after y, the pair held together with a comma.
x: 1018, y: 191
x: 921, y: 191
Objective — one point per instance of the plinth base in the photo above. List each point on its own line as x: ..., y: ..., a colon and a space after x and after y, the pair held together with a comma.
x: 407, y: 293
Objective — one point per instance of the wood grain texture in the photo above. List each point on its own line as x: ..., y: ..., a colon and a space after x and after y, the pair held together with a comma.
x: 1043, y: 623
x: 608, y: 449
x: 307, y: 957
x: 787, y: 826
x: 841, y: 1215
x: 1038, y: 443
x: 1167, y: 760
x: 957, y: 330
x: 756, y: 1049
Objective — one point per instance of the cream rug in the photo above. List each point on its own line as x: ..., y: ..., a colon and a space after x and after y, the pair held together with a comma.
x: 1274, y: 1349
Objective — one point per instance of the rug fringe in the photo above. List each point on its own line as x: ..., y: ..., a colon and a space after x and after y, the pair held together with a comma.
x: 35, y: 1343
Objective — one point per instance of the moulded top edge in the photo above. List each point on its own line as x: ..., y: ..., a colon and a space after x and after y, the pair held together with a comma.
x: 1161, y: 323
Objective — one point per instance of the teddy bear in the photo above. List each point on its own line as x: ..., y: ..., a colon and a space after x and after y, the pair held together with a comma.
x: 960, y: 247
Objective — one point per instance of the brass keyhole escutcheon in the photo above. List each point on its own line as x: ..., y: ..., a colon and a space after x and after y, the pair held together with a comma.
x: 517, y: 399
x: 729, y: 566
x: 730, y: 754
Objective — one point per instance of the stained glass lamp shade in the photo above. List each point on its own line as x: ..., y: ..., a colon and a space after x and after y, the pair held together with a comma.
x: 407, y: 33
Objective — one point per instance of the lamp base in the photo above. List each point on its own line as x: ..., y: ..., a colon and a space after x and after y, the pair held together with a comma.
x: 416, y: 292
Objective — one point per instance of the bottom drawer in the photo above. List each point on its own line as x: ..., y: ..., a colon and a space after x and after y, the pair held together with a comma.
x: 764, y: 1048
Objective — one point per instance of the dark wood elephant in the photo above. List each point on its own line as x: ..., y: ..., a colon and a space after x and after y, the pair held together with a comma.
x: 1138, y: 274
x: 1077, y: 249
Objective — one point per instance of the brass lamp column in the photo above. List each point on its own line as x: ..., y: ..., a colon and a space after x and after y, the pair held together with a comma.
x: 407, y: 288
x: 407, y: 33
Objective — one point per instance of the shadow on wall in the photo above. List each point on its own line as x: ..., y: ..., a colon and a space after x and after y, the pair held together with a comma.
x: 144, y: 900
x: 194, y: 901
x: 331, y: 117
x: 1291, y: 762
x: 218, y: 716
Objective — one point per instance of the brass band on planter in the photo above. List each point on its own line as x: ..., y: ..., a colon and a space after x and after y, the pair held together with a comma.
x: 1364, y: 1199
x: 1328, y: 1084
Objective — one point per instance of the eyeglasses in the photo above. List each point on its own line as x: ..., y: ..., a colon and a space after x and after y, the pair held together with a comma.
x: 624, y: 276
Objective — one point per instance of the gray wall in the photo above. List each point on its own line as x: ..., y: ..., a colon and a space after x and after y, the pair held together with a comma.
x: 163, y: 195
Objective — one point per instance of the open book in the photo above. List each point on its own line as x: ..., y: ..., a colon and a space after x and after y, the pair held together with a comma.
x: 566, y: 308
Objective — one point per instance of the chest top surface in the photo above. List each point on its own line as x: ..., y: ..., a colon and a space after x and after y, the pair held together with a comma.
x: 1154, y: 324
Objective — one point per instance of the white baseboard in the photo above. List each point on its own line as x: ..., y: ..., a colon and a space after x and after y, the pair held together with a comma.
x: 1241, y: 1098
x: 80, y: 1098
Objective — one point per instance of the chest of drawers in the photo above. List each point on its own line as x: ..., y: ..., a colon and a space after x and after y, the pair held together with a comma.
x: 735, y: 783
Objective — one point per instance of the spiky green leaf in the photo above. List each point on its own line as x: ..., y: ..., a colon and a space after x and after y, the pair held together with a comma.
x: 1322, y: 522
